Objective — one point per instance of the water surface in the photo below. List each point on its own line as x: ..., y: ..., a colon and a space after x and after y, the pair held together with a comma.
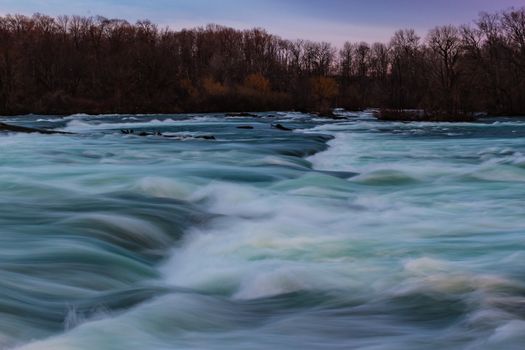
x: 351, y: 234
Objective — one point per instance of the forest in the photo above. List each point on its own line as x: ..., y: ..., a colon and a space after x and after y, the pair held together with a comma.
x: 72, y: 64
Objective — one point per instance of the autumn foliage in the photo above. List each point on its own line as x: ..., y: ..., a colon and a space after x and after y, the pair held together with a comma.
x: 323, y: 91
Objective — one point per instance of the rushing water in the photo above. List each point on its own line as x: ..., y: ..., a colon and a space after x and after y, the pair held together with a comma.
x: 339, y: 235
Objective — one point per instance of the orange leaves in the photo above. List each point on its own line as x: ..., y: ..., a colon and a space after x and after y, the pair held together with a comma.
x: 324, y: 88
x: 213, y: 87
x: 258, y: 83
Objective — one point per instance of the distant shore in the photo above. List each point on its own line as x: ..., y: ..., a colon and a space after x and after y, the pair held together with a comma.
x: 67, y: 64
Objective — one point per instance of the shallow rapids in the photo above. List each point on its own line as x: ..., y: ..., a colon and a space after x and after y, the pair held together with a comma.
x: 344, y: 234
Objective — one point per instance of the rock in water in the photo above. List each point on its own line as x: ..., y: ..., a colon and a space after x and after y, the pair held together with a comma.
x: 205, y: 137
x: 281, y: 127
x: 158, y: 133
x: 16, y: 128
x: 241, y: 114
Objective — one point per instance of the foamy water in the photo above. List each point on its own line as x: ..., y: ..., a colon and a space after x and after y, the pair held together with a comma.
x: 349, y: 234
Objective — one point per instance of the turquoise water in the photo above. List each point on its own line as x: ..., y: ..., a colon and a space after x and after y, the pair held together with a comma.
x: 350, y: 234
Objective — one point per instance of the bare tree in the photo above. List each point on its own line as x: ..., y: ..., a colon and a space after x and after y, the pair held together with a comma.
x: 446, y: 48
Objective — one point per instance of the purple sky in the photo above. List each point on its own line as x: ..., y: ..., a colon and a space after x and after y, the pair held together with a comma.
x: 323, y: 20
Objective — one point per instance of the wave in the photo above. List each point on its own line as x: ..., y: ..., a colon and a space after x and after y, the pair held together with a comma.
x: 385, y: 177
x: 82, y: 124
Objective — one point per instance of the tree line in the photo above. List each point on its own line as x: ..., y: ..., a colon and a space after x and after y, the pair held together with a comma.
x: 71, y: 64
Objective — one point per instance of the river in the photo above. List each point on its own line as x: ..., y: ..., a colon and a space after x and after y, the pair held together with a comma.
x: 340, y: 234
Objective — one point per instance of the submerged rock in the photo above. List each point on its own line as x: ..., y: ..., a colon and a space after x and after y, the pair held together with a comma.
x: 338, y: 174
x: 185, y: 137
x: 241, y: 114
x: 158, y: 133
x: 205, y: 137
x: 281, y: 127
x: 146, y: 133
x: 407, y: 116
x: 15, y: 128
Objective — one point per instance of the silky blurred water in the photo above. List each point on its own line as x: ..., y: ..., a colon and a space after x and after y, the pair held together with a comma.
x: 344, y: 234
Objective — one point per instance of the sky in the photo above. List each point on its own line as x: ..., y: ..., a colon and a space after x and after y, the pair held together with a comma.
x: 334, y: 21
